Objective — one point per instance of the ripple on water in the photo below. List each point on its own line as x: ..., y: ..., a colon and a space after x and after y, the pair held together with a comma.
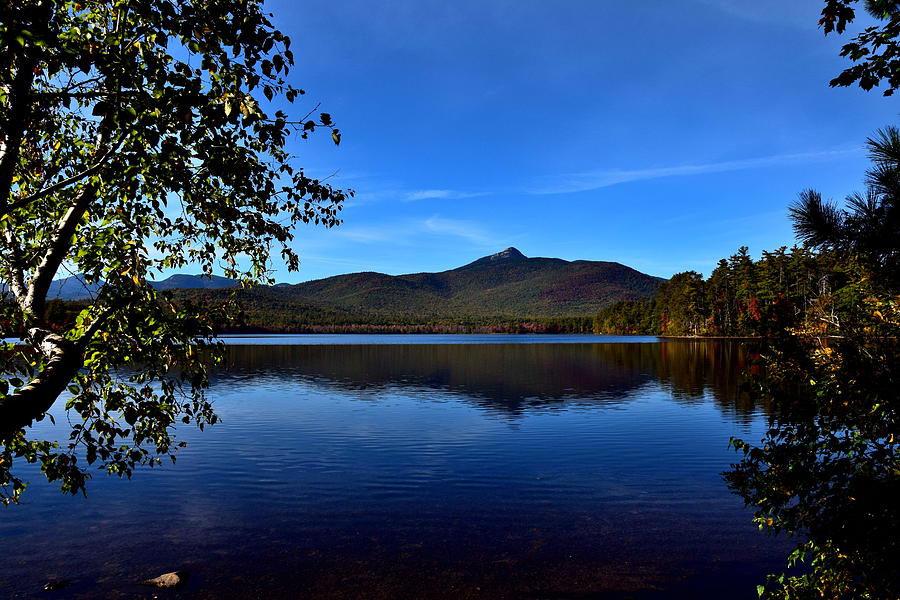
x: 502, y: 470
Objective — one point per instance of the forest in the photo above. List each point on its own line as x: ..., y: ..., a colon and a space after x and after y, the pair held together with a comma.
x: 742, y: 297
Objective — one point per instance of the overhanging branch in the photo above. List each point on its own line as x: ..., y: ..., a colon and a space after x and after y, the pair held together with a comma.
x: 22, y: 202
x: 33, y: 400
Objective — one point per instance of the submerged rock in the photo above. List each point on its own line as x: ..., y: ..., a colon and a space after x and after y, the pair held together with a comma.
x: 172, y: 580
x: 57, y: 584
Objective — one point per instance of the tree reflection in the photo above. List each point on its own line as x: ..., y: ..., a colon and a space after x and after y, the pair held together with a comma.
x: 515, y: 378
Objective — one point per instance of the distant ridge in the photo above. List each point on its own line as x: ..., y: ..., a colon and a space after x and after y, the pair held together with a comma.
x: 76, y: 288
x: 72, y: 288
x: 507, y: 284
x: 206, y: 282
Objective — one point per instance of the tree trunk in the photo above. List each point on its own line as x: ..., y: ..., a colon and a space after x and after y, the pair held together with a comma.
x: 34, y: 399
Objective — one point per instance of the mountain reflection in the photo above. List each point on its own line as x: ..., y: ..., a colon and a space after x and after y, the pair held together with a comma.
x: 514, y: 378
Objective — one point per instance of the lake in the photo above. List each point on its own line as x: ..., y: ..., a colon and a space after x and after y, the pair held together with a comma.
x: 557, y: 467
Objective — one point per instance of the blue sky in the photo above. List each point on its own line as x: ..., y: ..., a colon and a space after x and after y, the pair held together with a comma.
x: 661, y: 134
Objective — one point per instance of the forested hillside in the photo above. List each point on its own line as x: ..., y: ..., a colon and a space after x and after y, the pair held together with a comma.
x: 741, y: 297
x: 504, y: 284
x: 503, y: 292
x: 510, y: 293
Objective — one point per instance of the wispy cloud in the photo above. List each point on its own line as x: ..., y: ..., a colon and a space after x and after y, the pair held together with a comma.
x: 331, y: 260
x: 593, y: 180
x: 440, y: 194
x: 394, y: 232
x: 374, y: 194
x: 467, y: 230
x: 413, y: 231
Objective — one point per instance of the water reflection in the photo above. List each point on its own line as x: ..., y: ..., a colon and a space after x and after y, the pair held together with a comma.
x: 428, y: 471
x: 513, y: 378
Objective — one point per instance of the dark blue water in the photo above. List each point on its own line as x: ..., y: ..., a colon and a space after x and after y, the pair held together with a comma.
x: 393, y: 339
x: 417, y: 469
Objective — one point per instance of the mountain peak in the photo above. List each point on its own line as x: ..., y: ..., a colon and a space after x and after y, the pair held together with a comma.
x: 504, y: 256
x: 508, y: 254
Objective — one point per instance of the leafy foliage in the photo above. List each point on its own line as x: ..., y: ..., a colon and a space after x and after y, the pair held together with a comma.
x: 870, y: 224
x: 741, y: 297
x: 875, y: 51
x: 136, y: 136
x: 828, y: 470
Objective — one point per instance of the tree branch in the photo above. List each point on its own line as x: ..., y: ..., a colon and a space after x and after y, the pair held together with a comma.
x: 33, y: 400
x: 99, y: 320
x: 65, y: 359
x: 15, y: 123
x: 21, y: 202
x: 36, y: 298
x: 13, y: 259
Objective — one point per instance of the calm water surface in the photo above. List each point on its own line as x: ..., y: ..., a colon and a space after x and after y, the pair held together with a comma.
x: 427, y: 467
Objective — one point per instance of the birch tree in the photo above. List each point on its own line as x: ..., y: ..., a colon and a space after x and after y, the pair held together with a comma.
x: 136, y: 136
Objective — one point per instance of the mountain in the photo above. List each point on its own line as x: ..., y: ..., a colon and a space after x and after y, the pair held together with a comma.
x: 206, y: 282
x: 75, y: 287
x: 72, y: 288
x: 503, y: 284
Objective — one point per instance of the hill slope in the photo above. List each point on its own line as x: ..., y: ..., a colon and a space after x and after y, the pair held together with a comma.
x: 503, y: 284
x: 207, y: 282
x: 76, y: 288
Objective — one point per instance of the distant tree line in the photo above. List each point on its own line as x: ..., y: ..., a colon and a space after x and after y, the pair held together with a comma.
x: 742, y: 297
x: 315, y: 322
x: 249, y: 315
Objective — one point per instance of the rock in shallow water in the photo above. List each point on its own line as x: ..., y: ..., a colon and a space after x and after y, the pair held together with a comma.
x: 172, y: 580
x: 57, y: 584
